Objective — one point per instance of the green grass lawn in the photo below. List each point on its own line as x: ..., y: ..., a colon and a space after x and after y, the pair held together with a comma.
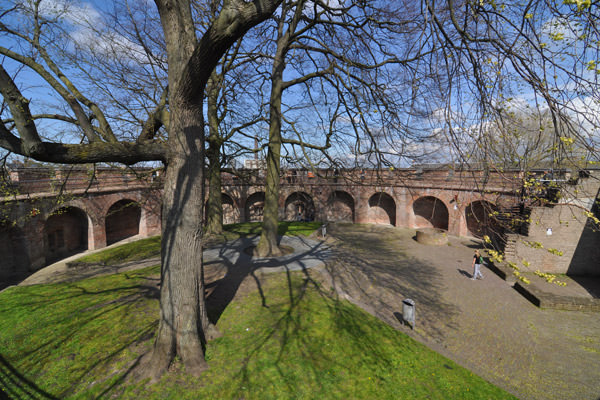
x: 133, y: 251
x: 148, y: 248
x: 77, y: 340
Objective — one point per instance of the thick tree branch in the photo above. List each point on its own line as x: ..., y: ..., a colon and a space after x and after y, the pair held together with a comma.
x: 157, y: 119
x: 19, y: 107
x: 81, y: 116
x: 121, y: 152
x: 234, y: 20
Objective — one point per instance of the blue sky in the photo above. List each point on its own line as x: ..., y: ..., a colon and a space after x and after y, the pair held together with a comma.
x: 87, y: 26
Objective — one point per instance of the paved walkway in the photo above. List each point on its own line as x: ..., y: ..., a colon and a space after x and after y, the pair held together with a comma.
x: 61, y: 272
x: 308, y: 253
x: 484, y: 325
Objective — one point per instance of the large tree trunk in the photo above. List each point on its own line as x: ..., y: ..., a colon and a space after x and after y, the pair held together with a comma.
x: 184, y: 325
x: 214, y: 211
x: 182, y: 305
x: 268, y: 244
x: 183, y: 318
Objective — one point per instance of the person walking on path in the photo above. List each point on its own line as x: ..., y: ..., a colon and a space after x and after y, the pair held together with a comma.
x: 477, y: 261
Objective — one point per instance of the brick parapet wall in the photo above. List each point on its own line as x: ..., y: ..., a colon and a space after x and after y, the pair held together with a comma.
x: 453, y: 191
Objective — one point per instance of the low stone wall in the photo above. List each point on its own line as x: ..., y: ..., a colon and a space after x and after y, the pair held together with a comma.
x: 432, y: 236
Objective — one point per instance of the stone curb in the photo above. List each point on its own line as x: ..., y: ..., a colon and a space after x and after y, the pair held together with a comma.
x: 541, y: 298
x: 503, y: 271
x: 551, y: 301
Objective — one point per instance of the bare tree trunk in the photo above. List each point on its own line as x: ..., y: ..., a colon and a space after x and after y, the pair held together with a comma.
x: 268, y: 244
x: 214, y: 211
x: 184, y: 326
x: 183, y: 312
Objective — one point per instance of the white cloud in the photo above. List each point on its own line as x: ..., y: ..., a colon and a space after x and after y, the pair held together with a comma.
x: 87, y: 28
x: 586, y: 112
x: 83, y: 14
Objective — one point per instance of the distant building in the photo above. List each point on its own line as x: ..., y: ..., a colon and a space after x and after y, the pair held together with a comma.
x: 255, y: 164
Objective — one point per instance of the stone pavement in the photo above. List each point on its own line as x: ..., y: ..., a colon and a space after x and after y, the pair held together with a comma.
x: 484, y: 325
x: 308, y: 253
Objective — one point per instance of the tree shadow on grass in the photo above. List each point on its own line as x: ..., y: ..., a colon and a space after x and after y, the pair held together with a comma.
x: 365, y: 269
x: 241, y: 265
x: 14, y: 385
x: 91, y: 313
x: 291, y: 332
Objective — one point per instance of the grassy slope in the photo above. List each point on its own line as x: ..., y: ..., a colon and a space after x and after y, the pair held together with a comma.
x: 76, y: 340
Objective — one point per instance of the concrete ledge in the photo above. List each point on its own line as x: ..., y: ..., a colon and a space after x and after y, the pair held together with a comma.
x: 541, y: 298
x: 503, y: 271
x: 548, y: 300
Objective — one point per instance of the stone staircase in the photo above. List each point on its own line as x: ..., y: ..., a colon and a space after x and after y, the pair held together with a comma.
x: 510, y: 246
x: 515, y: 219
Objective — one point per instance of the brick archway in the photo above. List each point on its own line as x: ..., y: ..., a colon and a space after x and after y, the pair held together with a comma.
x: 65, y: 233
x: 231, y: 211
x: 122, y: 220
x: 340, y: 207
x: 255, y: 204
x: 299, y: 206
x: 382, y: 209
x: 480, y: 220
x: 430, y: 212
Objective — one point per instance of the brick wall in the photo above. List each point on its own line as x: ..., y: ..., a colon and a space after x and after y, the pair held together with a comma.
x: 572, y: 233
x: 340, y: 207
x: 122, y: 221
x: 14, y: 262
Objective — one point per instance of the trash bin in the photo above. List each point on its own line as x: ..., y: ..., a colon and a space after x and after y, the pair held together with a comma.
x: 408, y: 312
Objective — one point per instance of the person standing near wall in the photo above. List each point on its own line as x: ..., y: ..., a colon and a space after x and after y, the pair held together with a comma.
x: 477, y: 261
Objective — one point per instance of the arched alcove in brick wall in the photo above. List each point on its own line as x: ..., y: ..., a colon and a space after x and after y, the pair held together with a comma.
x: 254, y: 208
x: 480, y: 222
x: 430, y: 212
x: 299, y: 206
x: 65, y: 233
x: 122, y: 221
x: 382, y: 209
x: 14, y: 260
x: 340, y: 207
x: 231, y: 213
